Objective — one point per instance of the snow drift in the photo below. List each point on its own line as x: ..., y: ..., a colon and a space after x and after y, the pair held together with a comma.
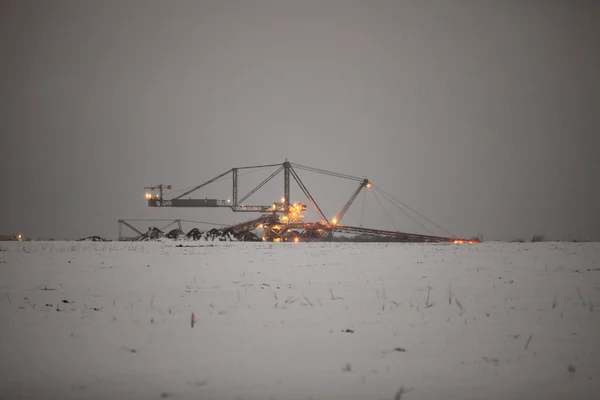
x: 91, y: 320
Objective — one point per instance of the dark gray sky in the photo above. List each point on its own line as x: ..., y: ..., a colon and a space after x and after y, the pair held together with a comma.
x: 482, y: 115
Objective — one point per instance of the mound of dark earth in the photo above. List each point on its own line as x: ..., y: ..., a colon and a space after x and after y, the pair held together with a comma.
x: 93, y: 239
x: 214, y: 234
x: 248, y: 237
x: 195, y: 234
x: 152, y: 234
x: 176, y: 234
x: 217, y: 234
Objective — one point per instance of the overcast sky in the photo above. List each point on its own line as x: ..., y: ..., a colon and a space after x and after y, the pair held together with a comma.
x: 482, y: 115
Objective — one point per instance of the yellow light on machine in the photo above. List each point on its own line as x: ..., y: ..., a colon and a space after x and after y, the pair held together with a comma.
x: 296, y: 239
x: 334, y: 221
x: 460, y: 241
x: 20, y: 237
x: 369, y: 185
x: 283, y: 199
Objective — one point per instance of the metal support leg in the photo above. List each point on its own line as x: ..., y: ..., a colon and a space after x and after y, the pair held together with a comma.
x: 286, y: 186
x: 235, y: 187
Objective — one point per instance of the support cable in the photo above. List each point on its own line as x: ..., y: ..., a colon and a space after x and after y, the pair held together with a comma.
x: 202, y: 222
x: 325, y: 172
x: 261, y: 166
x: 216, y: 181
x: 239, y: 175
x: 260, y: 185
x: 384, y: 210
x: 405, y: 213
x: 308, y: 195
x: 415, y: 211
x: 133, y: 228
x: 203, y: 184
x: 168, y: 225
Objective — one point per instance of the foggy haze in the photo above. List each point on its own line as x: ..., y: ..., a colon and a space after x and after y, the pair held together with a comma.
x: 482, y: 115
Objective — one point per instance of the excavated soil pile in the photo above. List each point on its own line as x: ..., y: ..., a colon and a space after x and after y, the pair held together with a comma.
x: 93, y: 239
x: 217, y: 234
x: 195, y: 234
x: 249, y: 237
x: 152, y: 234
x: 176, y: 234
x: 221, y: 235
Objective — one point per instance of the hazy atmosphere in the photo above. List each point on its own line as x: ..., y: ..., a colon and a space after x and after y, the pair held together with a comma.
x: 482, y: 115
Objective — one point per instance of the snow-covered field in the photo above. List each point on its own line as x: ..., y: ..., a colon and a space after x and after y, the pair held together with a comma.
x: 299, y: 321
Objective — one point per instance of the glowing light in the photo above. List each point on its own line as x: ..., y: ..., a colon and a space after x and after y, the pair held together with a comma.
x: 274, y: 206
x: 228, y: 201
x: 283, y: 199
x: 296, y: 239
x: 20, y: 237
x: 260, y: 226
x: 264, y: 238
x: 334, y: 221
x: 369, y: 185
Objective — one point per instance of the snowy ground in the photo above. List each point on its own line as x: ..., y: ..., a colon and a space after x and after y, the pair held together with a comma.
x: 299, y: 321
